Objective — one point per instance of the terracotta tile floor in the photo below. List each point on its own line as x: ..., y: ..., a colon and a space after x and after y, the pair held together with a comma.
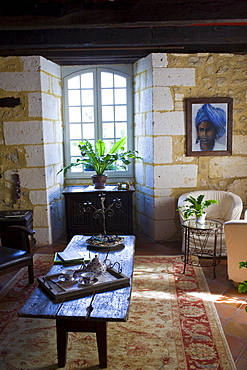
x: 229, y: 303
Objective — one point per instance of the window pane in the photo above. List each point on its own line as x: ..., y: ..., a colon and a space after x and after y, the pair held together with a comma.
x: 106, y: 79
x: 109, y: 143
x: 87, y: 97
x: 119, y: 166
x: 120, y: 96
x: 74, y: 97
x: 87, y: 80
x: 108, y: 129
x: 119, y: 81
x: 75, y: 114
x: 121, y: 113
x: 107, y: 114
x: 107, y: 96
x: 76, y: 168
x: 88, y: 131
x: 121, y: 129
x: 74, y: 150
x: 87, y: 114
x: 75, y: 131
x: 74, y: 83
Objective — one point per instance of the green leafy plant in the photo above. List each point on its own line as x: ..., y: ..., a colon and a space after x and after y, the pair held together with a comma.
x: 196, y: 206
x: 242, y: 288
x: 99, y: 160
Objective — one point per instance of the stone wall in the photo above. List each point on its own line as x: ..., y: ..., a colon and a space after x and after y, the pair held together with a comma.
x: 162, y: 83
x: 31, y: 138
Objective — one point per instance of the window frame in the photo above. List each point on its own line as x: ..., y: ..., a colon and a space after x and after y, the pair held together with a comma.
x: 122, y: 70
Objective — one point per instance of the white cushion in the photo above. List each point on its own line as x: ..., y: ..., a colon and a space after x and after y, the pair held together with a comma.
x: 236, y: 244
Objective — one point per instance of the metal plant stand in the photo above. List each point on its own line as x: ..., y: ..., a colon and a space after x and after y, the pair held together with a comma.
x: 202, y: 243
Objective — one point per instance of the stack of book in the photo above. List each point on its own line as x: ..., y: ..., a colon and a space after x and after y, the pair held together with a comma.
x: 71, y: 257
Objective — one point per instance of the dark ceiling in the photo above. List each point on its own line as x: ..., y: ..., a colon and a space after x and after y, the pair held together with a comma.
x: 110, y: 31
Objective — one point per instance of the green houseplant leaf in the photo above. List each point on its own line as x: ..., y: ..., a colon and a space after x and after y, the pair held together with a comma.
x: 242, y: 288
x: 98, y: 159
x: 196, y: 206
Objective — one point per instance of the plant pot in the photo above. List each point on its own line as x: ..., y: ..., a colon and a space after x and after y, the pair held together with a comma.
x: 99, y: 181
x: 201, y: 219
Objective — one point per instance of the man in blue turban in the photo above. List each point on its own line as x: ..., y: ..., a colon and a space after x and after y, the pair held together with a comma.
x: 210, y: 125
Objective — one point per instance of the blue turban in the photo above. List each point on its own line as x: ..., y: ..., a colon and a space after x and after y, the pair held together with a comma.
x: 216, y: 116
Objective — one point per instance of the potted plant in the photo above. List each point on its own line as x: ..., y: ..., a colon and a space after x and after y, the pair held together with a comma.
x: 99, y: 160
x: 242, y: 287
x: 196, y: 207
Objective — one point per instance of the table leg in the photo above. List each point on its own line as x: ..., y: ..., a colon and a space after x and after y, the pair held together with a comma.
x: 66, y: 325
x: 62, y: 340
x: 186, y: 247
x: 214, y: 256
x: 101, y: 336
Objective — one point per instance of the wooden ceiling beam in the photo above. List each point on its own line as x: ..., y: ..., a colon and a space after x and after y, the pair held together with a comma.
x: 47, y: 14
x: 120, y: 38
x: 80, y: 31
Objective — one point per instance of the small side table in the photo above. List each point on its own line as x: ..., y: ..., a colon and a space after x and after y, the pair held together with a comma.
x: 202, y: 243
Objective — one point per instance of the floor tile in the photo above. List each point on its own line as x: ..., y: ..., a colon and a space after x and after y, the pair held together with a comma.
x: 240, y: 316
x: 241, y: 364
x: 230, y: 300
x: 234, y: 292
x: 225, y: 310
x: 236, y: 346
x: 236, y: 329
x: 223, y: 321
x: 244, y: 352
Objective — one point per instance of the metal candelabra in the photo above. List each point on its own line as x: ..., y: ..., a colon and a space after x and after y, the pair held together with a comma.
x: 88, y: 206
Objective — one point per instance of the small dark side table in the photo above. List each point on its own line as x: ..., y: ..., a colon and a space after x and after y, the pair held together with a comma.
x: 71, y: 316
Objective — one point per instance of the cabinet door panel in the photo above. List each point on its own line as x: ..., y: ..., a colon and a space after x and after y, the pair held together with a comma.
x: 119, y: 221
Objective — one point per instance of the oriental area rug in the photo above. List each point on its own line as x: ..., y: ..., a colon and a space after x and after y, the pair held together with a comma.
x: 173, y: 325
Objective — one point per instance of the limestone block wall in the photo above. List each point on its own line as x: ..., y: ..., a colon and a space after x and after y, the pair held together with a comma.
x: 31, y: 139
x: 162, y: 82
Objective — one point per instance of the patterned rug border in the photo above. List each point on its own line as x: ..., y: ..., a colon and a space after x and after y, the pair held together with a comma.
x: 210, y: 308
x: 212, y: 312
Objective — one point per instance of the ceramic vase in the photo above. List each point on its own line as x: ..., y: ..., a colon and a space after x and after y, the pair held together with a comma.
x: 99, y: 181
x: 201, y: 219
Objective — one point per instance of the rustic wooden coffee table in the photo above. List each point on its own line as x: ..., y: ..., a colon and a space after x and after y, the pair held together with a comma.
x: 72, y: 315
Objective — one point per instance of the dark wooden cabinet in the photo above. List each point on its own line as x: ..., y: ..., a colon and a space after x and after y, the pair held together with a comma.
x: 86, y: 208
x: 22, y: 218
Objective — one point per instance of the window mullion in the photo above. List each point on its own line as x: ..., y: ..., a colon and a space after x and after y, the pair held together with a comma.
x: 98, y: 125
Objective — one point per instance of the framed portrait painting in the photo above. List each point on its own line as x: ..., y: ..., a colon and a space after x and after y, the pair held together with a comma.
x: 209, y: 126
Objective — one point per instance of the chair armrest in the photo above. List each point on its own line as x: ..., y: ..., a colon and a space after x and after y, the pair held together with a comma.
x: 22, y: 229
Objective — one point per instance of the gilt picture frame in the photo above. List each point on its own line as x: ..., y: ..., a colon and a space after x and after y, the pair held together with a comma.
x: 209, y: 126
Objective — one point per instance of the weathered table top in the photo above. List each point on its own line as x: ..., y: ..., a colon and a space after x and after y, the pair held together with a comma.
x: 107, y: 306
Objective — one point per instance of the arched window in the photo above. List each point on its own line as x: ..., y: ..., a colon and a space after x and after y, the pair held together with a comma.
x: 98, y: 105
